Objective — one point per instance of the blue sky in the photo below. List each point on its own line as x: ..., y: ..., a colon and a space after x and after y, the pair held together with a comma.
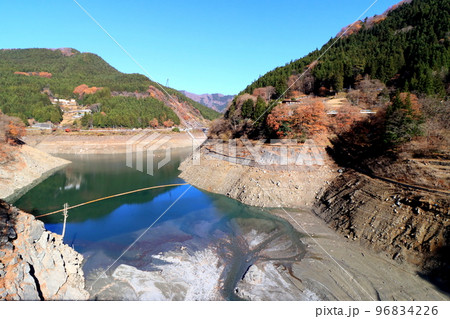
x: 200, y: 46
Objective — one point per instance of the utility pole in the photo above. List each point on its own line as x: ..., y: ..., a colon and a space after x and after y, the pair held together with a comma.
x: 65, y: 214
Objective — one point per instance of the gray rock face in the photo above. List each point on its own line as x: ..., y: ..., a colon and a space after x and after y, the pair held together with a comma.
x: 37, y: 265
x: 36, y: 230
x: 181, y: 276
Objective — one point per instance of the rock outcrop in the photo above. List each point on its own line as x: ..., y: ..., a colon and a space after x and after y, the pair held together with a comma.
x: 35, y: 264
x: 406, y: 224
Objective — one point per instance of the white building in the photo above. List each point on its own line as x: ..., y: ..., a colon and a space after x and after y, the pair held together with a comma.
x: 43, y: 126
x: 63, y: 102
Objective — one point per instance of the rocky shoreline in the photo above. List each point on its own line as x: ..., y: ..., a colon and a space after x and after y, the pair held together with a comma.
x: 35, y: 264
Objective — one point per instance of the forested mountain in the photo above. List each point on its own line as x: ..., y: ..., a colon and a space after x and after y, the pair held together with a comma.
x: 28, y: 77
x: 408, y: 49
x: 215, y: 101
x: 404, y: 50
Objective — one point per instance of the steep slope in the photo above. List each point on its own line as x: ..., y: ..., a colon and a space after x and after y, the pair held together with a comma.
x: 29, y: 76
x: 215, y: 101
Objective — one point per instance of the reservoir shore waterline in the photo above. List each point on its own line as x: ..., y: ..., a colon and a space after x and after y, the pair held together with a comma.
x: 33, y: 162
x: 331, y: 267
x: 105, y: 143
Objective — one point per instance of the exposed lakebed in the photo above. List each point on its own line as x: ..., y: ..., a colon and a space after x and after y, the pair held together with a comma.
x: 200, y: 248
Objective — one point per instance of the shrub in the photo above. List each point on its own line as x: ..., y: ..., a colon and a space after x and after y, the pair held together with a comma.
x: 220, y: 126
x: 168, y: 123
x: 153, y: 123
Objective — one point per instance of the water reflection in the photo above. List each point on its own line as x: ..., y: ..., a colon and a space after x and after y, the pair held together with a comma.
x: 93, y: 176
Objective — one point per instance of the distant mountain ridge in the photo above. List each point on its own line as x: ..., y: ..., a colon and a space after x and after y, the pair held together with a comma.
x: 215, y: 101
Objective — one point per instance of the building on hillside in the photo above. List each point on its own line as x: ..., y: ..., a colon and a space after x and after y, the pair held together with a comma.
x: 367, y: 112
x: 63, y: 102
x: 289, y: 102
x: 80, y: 113
x: 44, y: 126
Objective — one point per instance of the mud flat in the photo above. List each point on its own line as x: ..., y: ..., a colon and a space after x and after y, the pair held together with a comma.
x: 341, y: 269
x: 24, y: 168
x: 181, y: 276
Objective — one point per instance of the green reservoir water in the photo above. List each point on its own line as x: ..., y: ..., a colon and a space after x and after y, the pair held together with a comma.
x: 103, y: 231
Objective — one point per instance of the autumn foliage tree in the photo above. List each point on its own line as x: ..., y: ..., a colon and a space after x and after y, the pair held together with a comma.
x: 168, y: 123
x: 310, y: 119
x: 303, y: 121
x: 279, y: 121
x: 301, y: 83
x: 368, y: 92
x: 11, y: 128
x: 153, y: 123
x: 344, y: 119
x: 84, y: 89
